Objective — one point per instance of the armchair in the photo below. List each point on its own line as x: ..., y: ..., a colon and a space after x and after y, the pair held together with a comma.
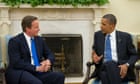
x: 89, y: 80
x: 3, y: 57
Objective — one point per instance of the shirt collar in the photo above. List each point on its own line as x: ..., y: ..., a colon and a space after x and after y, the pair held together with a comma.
x: 113, y: 33
x: 26, y: 36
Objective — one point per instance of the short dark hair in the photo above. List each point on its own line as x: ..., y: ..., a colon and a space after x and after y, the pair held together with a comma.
x: 27, y: 22
x: 111, y: 18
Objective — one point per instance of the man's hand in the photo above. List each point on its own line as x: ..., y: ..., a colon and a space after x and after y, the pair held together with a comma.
x: 46, y: 64
x: 44, y: 67
x: 40, y: 68
x: 96, y: 59
x: 123, y: 70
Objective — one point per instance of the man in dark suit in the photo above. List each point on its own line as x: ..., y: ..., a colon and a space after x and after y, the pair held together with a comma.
x: 116, y: 63
x: 22, y: 68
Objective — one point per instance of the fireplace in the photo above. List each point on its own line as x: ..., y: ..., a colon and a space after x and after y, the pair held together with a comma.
x: 67, y: 49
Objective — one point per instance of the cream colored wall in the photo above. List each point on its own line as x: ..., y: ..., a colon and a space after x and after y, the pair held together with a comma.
x: 127, y: 13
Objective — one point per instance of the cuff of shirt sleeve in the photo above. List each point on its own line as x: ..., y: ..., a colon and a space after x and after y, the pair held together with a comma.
x: 127, y: 64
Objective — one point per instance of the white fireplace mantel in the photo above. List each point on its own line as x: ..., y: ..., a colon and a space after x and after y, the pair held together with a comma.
x: 7, y: 14
x: 83, y: 20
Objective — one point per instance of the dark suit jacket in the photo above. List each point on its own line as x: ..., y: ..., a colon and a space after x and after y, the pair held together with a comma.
x: 125, y: 50
x: 20, y: 58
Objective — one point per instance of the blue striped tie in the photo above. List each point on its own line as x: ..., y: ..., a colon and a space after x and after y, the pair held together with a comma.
x: 108, y: 55
x: 34, y: 53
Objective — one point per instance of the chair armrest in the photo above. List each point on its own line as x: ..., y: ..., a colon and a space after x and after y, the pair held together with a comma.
x: 2, y: 67
x: 2, y: 72
x: 87, y: 78
x: 137, y: 67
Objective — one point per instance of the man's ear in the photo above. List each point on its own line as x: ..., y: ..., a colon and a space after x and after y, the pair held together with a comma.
x: 27, y: 29
x: 112, y: 26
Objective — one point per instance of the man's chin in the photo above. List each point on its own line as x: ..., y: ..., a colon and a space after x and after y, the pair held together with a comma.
x: 103, y: 32
x: 36, y: 34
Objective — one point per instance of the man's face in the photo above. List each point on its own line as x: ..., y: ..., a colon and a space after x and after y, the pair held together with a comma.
x: 33, y: 31
x: 106, y: 27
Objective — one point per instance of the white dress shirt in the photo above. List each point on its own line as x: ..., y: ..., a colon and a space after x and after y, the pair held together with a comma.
x: 28, y: 39
x: 113, y: 46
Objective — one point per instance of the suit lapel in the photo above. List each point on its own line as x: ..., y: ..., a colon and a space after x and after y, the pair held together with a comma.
x: 103, y: 42
x: 25, y: 44
x: 118, y: 42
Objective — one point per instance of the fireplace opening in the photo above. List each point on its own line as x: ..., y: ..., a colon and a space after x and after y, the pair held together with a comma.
x: 67, y: 49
